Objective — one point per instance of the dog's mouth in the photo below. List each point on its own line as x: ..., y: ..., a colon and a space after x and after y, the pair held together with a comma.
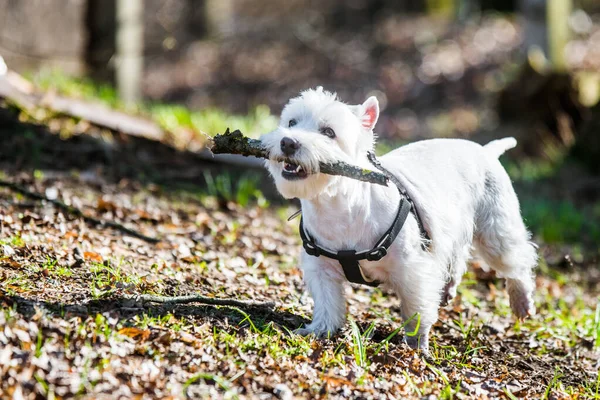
x: 293, y: 172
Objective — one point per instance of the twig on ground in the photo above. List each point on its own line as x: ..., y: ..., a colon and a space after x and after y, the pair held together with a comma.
x: 236, y: 143
x: 76, y: 212
x: 196, y: 298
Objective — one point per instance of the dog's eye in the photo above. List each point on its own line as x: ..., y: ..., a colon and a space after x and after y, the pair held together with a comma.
x: 292, y: 123
x: 327, y: 132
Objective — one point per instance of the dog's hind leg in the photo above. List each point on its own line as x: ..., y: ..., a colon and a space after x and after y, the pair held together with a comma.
x: 514, y: 264
x: 503, y: 241
x: 457, y: 270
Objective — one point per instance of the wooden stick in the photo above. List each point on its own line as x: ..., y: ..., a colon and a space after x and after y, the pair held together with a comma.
x: 236, y: 143
x: 196, y: 298
x: 76, y: 212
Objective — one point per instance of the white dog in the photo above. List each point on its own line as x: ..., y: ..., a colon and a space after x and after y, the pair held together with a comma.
x: 463, y: 200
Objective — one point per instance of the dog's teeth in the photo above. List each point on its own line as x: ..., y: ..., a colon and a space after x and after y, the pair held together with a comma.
x: 292, y: 168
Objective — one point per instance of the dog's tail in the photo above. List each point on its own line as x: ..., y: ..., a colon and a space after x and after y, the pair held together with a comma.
x: 497, y: 147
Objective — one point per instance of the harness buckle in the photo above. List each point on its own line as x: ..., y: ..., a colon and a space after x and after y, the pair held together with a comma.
x: 376, y: 254
x: 310, y: 249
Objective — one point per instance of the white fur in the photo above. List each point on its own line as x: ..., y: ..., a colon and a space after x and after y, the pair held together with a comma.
x: 463, y: 194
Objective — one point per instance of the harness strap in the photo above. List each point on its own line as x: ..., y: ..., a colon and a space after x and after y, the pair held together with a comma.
x: 403, y: 192
x: 349, y: 258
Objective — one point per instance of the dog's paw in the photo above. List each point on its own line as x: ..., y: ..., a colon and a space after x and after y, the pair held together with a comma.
x: 303, y: 332
x: 316, y: 331
x: 522, y: 306
x: 422, y: 351
x: 521, y: 300
x: 418, y: 342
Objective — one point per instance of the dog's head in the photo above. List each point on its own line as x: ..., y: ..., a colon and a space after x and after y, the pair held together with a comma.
x: 316, y: 128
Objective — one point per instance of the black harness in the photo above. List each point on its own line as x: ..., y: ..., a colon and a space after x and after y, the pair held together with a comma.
x: 349, y: 258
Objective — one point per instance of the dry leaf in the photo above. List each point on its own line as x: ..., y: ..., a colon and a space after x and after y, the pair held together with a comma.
x: 91, y: 256
x: 70, y: 234
x: 104, y: 205
x: 135, y: 333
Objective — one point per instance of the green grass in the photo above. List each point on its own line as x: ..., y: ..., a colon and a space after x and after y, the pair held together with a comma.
x: 264, y: 338
x: 363, y: 349
x: 553, y: 384
x: 560, y: 221
x: 242, y: 190
x: 565, y: 321
x: 359, y: 349
x: 107, y: 275
x: 17, y: 285
x: 530, y: 170
x: 15, y: 241
x: 53, y: 79
x: 212, y: 120
x: 551, y: 220
x: 596, y: 326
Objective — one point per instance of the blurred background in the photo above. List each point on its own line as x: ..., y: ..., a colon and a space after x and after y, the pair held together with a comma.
x: 439, y: 67
x: 476, y: 69
x: 107, y: 192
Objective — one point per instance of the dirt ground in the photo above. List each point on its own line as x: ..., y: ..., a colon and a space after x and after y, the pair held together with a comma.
x: 71, y: 325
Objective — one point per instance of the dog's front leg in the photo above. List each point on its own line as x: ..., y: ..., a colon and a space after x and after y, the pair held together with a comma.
x: 419, y: 287
x: 325, y: 284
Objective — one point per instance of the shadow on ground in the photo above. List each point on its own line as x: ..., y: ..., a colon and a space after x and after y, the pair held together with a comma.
x: 112, y: 155
x: 126, y: 308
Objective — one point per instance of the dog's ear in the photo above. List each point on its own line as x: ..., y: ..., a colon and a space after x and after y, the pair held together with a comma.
x: 369, y: 113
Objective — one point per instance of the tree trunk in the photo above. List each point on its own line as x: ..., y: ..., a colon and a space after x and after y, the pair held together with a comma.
x: 558, y: 12
x: 587, y: 148
x: 130, y: 49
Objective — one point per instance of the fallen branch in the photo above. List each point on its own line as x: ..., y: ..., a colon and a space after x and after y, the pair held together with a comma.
x: 236, y: 143
x: 76, y: 212
x: 24, y: 95
x: 196, y: 298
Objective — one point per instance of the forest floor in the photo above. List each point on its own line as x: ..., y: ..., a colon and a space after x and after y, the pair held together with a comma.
x: 71, y: 325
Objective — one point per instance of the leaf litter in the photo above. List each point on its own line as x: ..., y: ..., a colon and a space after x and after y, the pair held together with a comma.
x: 72, y: 324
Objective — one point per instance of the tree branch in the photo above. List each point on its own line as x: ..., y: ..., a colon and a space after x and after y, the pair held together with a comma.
x: 76, y: 212
x: 236, y: 143
x: 196, y: 298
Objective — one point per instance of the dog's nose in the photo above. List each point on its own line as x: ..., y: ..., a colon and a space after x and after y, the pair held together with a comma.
x: 289, y: 146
